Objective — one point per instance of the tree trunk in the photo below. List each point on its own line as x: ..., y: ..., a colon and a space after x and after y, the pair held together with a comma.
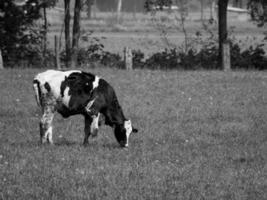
x: 57, y: 59
x: 128, y: 58
x: 119, y: 9
x: 226, y: 57
x: 212, y: 10
x: 89, y: 8
x: 202, y: 10
x: 1, y: 60
x: 45, y: 36
x: 67, y: 32
x: 222, y: 6
x: 76, y: 32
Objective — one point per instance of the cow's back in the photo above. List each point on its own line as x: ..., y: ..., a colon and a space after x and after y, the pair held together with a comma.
x: 51, y: 80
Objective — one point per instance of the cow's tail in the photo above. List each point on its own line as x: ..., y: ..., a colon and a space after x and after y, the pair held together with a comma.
x: 37, y: 91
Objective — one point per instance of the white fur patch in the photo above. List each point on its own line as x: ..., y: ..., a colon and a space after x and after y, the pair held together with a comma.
x: 49, y: 135
x: 54, y: 78
x: 66, y: 97
x: 96, y: 82
x: 129, y: 129
x: 36, y: 91
x: 94, y: 125
x: 89, y: 105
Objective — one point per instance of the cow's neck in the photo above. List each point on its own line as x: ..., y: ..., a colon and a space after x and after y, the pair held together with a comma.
x: 115, y: 117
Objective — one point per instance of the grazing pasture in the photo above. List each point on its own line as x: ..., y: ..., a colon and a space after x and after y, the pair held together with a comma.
x: 202, y: 135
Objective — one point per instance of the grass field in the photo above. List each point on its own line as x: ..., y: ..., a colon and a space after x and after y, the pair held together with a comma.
x: 202, y: 135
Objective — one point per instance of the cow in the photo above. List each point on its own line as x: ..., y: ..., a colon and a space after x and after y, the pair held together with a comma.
x: 77, y: 92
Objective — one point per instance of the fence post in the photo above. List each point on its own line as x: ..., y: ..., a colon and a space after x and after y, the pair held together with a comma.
x: 226, y: 57
x: 1, y: 60
x: 57, y: 59
x: 128, y: 58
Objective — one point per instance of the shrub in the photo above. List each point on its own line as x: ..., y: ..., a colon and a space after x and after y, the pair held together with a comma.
x: 96, y: 54
x: 112, y: 60
x: 138, y: 59
x: 167, y: 59
x: 251, y: 58
x: 204, y: 58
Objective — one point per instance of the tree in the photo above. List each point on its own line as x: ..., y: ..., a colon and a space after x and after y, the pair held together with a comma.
x: 119, y: 5
x: 222, y: 22
x: 72, y: 50
x: 212, y: 9
x: 76, y: 32
x: 67, y: 32
x: 18, y: 38
x: 222, y: 15
x: 89, y: 8
x: 258, y: 11
x: 44, y: 4
x: 202, y: 10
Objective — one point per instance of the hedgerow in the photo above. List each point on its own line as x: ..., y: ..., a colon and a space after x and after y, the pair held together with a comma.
x: 197, y: 57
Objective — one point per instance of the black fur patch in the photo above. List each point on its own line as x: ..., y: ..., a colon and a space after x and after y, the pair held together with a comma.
x: 37, y: 82
x: 63, y: 87
x: 47, y: 87
x: 120, y: 134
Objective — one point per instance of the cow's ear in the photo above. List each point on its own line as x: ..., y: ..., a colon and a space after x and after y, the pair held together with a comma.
x: 135, y: 130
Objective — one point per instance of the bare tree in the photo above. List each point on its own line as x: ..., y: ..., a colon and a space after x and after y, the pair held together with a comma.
x: 212, y: 10
x: 222, y: 15
x: 183, y: 13
x: 45, y: 35
x: 67, y: 32
x: 202, y: 10
x: 1, y: 60
x: 222, y: 5
x: 119, y: 6
x: 89, y: 8
x: 76, y: 32
x: 44, y: 4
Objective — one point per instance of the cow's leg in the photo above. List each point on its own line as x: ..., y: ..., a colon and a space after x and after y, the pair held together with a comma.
x: 87, y: 128
x: 95, y: 124
x: 46, y: 125
x: 92, y: 110
x: 91, y: 127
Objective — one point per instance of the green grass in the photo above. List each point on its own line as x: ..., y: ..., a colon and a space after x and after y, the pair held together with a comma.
x: 202, y: 135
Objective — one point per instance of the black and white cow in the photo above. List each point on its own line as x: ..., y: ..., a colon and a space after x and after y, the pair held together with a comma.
x: 77, y: 92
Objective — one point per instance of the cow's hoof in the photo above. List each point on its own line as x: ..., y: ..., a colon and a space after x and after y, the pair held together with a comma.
x: 43, y: 141
x: 94, y: 132
x: 50, y: 142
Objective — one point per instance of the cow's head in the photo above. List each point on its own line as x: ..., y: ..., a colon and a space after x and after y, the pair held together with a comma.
x: 122, y: 133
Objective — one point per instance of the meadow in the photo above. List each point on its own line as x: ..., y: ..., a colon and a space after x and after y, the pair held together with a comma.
x: 202, y: 135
